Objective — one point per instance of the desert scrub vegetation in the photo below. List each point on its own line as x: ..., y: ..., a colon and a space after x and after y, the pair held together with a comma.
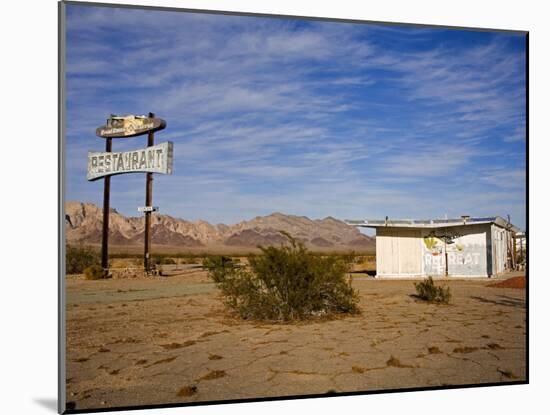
x: 94, y: 272
x: 426, y: 290
x: 78, y: 258
x: 163, y: 260
x: 285, y: 283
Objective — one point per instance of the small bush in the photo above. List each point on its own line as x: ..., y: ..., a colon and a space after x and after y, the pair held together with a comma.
x: 79, y: 258
x: 428, y: 291
x: 93, y: 272
x: 162, y: 260
x: 285, y: 283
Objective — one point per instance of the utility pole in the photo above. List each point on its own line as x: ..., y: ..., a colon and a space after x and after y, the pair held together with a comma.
x: 148, y: 202
x: 106, y: 208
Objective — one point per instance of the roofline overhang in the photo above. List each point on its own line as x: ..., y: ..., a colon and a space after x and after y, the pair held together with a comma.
x: 432, y: 223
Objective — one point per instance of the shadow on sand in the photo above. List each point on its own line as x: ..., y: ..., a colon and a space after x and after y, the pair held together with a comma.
x: 503, y: 300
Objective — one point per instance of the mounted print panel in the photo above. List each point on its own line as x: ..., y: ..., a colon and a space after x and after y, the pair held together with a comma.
x: 317, y: 207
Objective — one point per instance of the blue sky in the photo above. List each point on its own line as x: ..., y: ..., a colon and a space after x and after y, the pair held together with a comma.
x: 308, y: 118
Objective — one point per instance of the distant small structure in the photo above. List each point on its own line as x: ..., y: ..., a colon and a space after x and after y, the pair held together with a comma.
x: 521, y: 250
x: 465, y: 247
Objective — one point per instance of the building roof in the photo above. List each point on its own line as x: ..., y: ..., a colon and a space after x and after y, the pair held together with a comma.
x: 431, y: 223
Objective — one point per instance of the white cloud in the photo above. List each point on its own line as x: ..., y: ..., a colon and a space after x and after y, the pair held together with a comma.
x: 427, y: 161
x: 506, y: 179
x: 315, y: 119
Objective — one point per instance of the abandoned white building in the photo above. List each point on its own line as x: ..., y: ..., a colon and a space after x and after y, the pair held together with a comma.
x: 465, y: 247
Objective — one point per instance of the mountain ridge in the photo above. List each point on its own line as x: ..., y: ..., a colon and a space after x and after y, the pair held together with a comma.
x: 84, y: 226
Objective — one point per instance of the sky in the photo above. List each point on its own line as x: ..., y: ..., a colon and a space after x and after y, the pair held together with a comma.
x: 303, y: 117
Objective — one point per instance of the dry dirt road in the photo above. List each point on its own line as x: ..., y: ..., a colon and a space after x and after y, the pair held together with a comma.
x: 169, y: 340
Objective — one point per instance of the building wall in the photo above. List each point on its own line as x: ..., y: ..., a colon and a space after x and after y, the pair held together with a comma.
x: 398, y: 252
x: 458, y: 250
x: 502, y: 242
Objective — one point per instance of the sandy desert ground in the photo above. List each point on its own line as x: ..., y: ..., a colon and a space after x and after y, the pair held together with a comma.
x: 170, y: 340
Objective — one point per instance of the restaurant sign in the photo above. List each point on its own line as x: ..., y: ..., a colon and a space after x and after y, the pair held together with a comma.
x: 129, y: 126
x: 154, y: 159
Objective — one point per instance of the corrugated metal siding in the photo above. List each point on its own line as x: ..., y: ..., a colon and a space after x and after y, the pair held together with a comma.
x: 458, y: 250
x: 468, y: 254
x: 410, y: 250
x: 472, y: 250
x: 385, y: 252
x: 433, y: 253
x: 398, y: 252
x: 502, y: 243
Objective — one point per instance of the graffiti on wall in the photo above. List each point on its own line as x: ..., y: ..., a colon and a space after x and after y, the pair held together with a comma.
x: 434, y: 260
x: 454, y: 253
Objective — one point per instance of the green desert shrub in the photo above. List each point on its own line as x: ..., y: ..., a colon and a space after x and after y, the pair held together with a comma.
x: 285, y: 283
x: 428, y: 291
x: 163, y: 260
x: 93, y: 272
x: 78, y: 258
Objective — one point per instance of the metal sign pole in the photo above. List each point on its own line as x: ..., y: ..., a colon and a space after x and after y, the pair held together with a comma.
x: 106, y: 197
x: 152, y: 159
x: 148, y: 202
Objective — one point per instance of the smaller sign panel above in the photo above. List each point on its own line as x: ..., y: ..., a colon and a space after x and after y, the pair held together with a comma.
x: 148, y: 209
x: 154, y: 159
x: 129, y: 126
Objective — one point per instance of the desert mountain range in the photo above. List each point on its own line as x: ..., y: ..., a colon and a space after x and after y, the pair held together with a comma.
x: 84, y: 224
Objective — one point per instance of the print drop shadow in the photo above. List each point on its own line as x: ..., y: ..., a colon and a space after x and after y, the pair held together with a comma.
x: 48, y: 403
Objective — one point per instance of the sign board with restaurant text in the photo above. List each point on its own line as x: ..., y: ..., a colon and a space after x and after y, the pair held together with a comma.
x: 154, y: 159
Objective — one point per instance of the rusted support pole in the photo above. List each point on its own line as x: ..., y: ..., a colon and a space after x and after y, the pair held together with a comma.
x: 148, y: 202
x: 106, y: 208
